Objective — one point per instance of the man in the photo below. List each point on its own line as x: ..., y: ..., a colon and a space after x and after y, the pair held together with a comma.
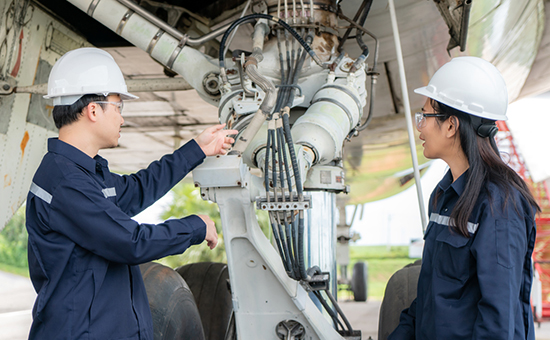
x: 84, y: 247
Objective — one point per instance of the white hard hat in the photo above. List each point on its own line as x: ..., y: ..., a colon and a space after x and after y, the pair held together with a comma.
x: 471, y: 85
x: 85, y: 71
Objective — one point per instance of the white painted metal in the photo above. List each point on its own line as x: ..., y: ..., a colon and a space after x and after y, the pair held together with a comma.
x: 407, y: 106
x: 336, y: 109
x: 141, y: 32
x: 23, y: 143
x: 263, y: 294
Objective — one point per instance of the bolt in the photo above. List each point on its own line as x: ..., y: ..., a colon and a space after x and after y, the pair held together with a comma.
x: 6, y: 87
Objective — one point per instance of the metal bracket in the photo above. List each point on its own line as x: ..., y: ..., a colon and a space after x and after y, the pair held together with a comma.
x: 7, y: 86
x: 177, y: 51
x: 123, y: 21
x: 319, y: 281
x: 290, y: 330
x: 289, y: 204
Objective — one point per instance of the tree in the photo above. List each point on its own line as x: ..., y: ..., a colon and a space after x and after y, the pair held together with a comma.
x: 187, y: 201
x: 13, y: 241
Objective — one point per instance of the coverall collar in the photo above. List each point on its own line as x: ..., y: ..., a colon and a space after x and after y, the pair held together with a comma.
x: 458, y: 186
x: 59, y: 147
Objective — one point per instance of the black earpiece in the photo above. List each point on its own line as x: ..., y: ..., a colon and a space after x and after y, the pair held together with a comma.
x: 487, y: 130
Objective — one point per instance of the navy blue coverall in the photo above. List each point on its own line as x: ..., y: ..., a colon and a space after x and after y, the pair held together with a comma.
x: 84, y: 248
x: 477, y: 287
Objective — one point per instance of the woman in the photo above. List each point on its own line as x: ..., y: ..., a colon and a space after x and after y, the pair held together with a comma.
x: 476, y: 274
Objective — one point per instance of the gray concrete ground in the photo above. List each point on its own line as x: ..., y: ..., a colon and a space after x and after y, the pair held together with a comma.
x: 364, y: 316
x: 16, y: 300
x: 17, y: 297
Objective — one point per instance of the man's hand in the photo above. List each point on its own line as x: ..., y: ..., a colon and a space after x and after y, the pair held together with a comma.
x: 214, y: 141
x: 211, y: 233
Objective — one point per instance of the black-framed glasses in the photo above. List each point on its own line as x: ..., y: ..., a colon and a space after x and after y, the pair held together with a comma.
x: 119, y: 105
x: 420, y: 118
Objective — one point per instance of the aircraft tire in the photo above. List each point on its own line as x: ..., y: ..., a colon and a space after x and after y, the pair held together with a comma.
x: 359, y: 281
x: 175, y: 314
x: 400, y: 293
x: 209, y: 283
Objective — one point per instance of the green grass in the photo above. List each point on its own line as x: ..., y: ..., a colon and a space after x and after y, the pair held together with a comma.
x: 382, y: 263
x: 374, y: 179
x: 14, y: 270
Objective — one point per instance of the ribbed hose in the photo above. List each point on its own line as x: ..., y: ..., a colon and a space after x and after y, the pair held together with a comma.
x: 273, y: 162
x: 275, y: 229
x: 301, y: 260
x: 290, y: 143
x: 283, y: 24
x: 274, y: 225
x: 297, y: 70
x: 285, y: 160
x: 266, y: 168
x: 299, y: 189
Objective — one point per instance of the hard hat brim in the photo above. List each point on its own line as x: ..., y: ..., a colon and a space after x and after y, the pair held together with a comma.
x: 425, y: 91
x: 70, y: 99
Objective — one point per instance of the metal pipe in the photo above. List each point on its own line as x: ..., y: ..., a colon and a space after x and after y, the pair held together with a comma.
x: 235, y: 31
x: 134, y: 85
x: 171, y: 30
x: 167, y: 50
x: 407, y: 106
x: 464, y: 25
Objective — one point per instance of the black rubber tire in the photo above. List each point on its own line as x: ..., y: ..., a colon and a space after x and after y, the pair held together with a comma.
x: 359, y: 281
x: 209, y: 283
x: 175, y: 314
x: 400, y: 293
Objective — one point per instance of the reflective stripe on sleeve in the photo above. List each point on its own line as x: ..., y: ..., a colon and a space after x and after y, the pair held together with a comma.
x: 444, y: 220
x: 109, y: 192
x: 41, y: 193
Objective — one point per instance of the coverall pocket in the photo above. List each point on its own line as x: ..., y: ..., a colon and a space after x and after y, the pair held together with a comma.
x: 452, y: 256
x: 502, y: 240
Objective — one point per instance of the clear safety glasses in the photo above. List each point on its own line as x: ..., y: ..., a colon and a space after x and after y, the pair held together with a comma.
x: 119, y: 105
x: 420, y: 118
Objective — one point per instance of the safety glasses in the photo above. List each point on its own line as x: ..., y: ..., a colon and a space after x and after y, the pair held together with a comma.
x: 420, y: 118
x: 119, y: 105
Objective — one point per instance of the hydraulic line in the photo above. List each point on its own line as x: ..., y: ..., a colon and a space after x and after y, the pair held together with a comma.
x: 285, y: 161
x: 282, y: 240
x: 297, y: 69
x: 329, y: 310
x: 266, y: 172
x: 301, y: 261
x: 358, y: 36
x: 348, y: 31
x: 373, y: 73
x: 276, y: 234
x: 294, y: 162
x: 283, y: 24
x: 338, y: 309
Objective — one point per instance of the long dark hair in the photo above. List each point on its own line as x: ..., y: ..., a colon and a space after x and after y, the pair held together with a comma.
x: 485, y: 166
